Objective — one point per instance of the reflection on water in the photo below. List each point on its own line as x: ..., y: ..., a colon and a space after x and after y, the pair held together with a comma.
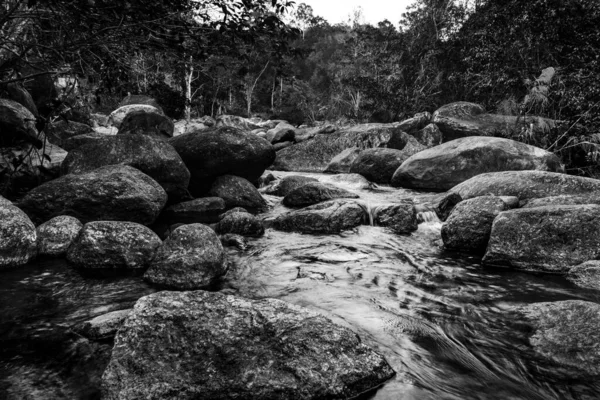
x: 445, y: 324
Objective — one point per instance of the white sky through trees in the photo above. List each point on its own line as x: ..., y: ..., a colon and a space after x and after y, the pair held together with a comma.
x: 336, y: 11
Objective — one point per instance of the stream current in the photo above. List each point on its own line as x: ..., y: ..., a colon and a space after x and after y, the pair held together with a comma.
x: 448, y: 326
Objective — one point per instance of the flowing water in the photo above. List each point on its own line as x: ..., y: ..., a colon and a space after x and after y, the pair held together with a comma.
x: 448, y: 326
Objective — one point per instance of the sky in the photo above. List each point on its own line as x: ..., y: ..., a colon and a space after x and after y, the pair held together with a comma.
x: 335, y: 11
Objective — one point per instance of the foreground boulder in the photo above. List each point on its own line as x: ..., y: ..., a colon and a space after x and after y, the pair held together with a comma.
x: 526, y: 185
x: 190, y: 258
x: 566, y: 333
x: 54, y: 237
x: 17, y: 237
x: 342, y: 162
x: 206, y: 345
x: 442, y: 167
x: 222, y: 151
x: 205, y: 210
x: 149, y: 123
x: 315, y: 192
x: 113, y: 245
x: 469, y: 225
x: 331, y: 216
x: 550, y: 239
x: 288, y: 184
x: 400, y: 218
x: 112, y: 193
x: 378, y: 165
x: 154, y: 157
x: 240, y: 223
x: 238, y: 192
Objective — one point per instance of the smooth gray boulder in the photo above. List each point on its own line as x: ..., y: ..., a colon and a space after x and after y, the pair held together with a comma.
x: 191, y: 345
x: 112, y: 193
x: 331, y: 216
x: 342, y: 162
x: 400, y: 218
x: 114, y: 245
x: 190, y: 258
x: 238, y: 192
x: 117, y: 116
x: 315, y: 192
x: 442, y: 167
x: 378, y: 165
x: 240, y: 223
x: 17, y: 237
x: 56, y: 235
x: 545, y: 239
x: 139, y: 99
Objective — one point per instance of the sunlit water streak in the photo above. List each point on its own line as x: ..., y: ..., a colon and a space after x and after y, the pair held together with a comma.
x: 447, y: 325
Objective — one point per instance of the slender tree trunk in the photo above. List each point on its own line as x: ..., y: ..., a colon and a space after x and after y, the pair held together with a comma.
x: 187, y: 87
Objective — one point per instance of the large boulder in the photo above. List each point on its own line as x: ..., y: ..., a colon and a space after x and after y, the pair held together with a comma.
x: 526, y: 185
x: 469, y: 225
x: 283, y: 132
x: 113, y: 245
x: 151, y: 123
x: 222, y: 151
x: 17, y: 124
x: 155, y: 158
x: 116, y: 117
x: 331, y: 216
x: 61, y: 131
x: 288, y: 184
x: 112, y: 193
x: 192, y: 257
x: 378, y: 165
x: 204, y: 210
x: 315, y: 192
x: 206, y: 345
x: 238, y: 192
x: 17, y: 237
x: 74, y: 142
x: 463, y: 119
x: 341, y: 163
x: 139, y: 99
x: 548, y: 239
x: 240, y: 223
x: 54, y: 237
x: 442, y: 167
x: 400, y: 218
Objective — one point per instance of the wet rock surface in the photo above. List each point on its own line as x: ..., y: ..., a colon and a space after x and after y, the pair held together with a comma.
x: 17, y: 237
x: 400, y: 218
x: 288, y: 184
x: 378, y: 165
x: 315, y: 192
x: 331, y: 216
x: 240, y: 223
x: 55, y: 236
x: 238, y: 192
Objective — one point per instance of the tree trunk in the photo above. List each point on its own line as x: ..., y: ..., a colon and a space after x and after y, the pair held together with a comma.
x: 187, y: 88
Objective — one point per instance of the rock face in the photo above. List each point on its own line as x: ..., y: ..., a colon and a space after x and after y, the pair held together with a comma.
x: 17, y: 123
x: 113, y: 193
x: 104, y: 326
x: 400, y: 218
x: 55, y: 236
x: 238, y: 192
x: 446, y: 204
x: 429, y: 136
x: 550, y: 239
x: 586, y: 275
x: 205, y: 210
x: 445, y: 166
x: 190, y: 258
x: 113, y: 245
x: 331, y: 216
x: 378, y: 165
x: 149, y: 123
x: 463, y: 119
x: 315, y: 154
x: 222, y: 151
x: 525, y: 185
x: 469, y: 225
x: 288, y: 184
x: 240, y: 223
x: 154, y: 157
x: 566, y: 332
x: 17, y: 237
x: 315, y: 192
x: 341, y: 163
x: 116, y: 117
x: 251, y: 349
x: 564, y: 200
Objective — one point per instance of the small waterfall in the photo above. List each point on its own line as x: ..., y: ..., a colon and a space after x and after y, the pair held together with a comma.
x: 370, y: 211
x: 426, y: 215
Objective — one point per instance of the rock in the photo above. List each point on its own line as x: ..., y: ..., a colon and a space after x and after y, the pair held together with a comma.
x: 104, y: 326
x: 586, y: 275
x: 18, y: 93
x: 547, y: 239
x: 288, y: 184
x: 400, y: 218
x: 113, y: 245
x: 240, y: 223
x: 564, y: 200
x: 446, y: 204
x: 463, y: 119
x: 149, y: 123
x: 234, y: 121
x: 429, y: 136
x: 17, y: 237
x: 35, y: 166
x: 265, y: 179
x: 378, y: 165
x: 282, y: 145
x: 315, y: 192
x: 116, y: 117
x: 416, y: 123
x: 113, y: 193
x: 17, y: 124
x: 55, y: 236
x: 566, y: 332
x: 510, y: 201
x: 136, y: 99
x: 43, y: 91
x: 283, y: 132
x: 205, y: 210
x: 526, y: 185
x: 331, y: 216
x: 183, y: 126
x: 99, y: 119
x: 313, y: 155
x: 74, y: 142
x: 5, y: 202
x: 190, y: 258
x: 238, y: 192
x: 60, y: 131
x: 211, y: 153
x: 232, y: 211
x: 342, y: 162
x: 206, y: 345
x: 442, y: 167
x: 155, y: 158
x: 350, y: 181
x: 233, y: 240
x: 469, y: 225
